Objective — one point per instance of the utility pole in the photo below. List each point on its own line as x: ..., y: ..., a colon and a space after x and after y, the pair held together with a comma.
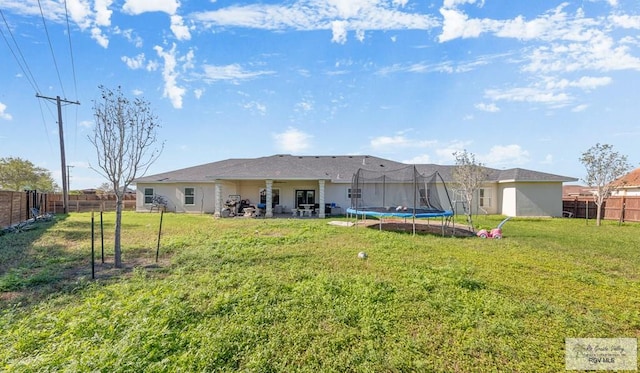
x: 63, y: 161
x: 69, y: 177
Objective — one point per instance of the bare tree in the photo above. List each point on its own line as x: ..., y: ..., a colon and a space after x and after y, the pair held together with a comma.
x: 604, y: 167
x: 124, y: 137
x: 469, y: 175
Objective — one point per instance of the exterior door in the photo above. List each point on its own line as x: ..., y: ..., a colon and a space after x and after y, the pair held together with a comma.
x: 305, y: 197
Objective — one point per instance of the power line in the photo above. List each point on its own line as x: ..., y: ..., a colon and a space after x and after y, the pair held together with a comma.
x: 73, y: 65
x: 25, y: 69
x: 55, y: 63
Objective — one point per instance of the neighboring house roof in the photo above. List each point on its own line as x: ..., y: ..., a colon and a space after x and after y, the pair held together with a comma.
x: 630, y: 180
x: 577, y: 190
x: 333, y: 168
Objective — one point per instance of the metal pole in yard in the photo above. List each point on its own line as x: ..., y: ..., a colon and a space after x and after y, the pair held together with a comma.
x: 159, y: 234
x: 102, y: 236
x: 93, y: 264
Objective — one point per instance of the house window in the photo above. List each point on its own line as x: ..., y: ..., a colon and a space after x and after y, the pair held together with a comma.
x: 485, y: 198
x: 354, y: 193
x: 189, y: 196
x: 148, y: 196
x: 305, y: 197
x: 275, y: 196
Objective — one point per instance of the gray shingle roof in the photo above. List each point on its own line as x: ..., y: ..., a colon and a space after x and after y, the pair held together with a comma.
x: 333, y: 168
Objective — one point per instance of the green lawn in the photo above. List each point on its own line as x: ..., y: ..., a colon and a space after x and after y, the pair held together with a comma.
x: 273, y: 295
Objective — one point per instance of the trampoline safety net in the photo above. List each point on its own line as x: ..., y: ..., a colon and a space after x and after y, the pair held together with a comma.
x: 401, y: 190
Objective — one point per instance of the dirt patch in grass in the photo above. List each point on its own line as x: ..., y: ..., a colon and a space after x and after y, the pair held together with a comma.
x: 421, y: 227
x: 77, y: 277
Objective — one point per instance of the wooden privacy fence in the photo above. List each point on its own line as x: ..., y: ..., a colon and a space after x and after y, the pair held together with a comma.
x: 621, y: 208
x: 15, y: 207
x: 90, y: 202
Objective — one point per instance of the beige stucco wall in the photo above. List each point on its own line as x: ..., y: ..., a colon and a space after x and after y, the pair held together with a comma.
x: 174, y: 194
x: 531, y: 199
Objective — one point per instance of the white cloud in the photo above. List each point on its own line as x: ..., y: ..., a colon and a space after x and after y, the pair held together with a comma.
x: 129, y: 35
x: 457, y: 25
x: 170, y: 76
x: 600, y: 53
x: 491, y: 108
x: 103, y: 13
x: 528, y: 94
x: 548, y: 159
x: 137, y: 92
x: 445, y: 152
x: 256, y: 107
x: 3, y: 113
x: 96, y: 34
x: 585, y: 83
x: 580, y: 108
x: 134, y: 63
x: 86, y: 123
x: 505, y: 155
x: 337, y: 16
x: 383, y: 143
x: 455, y: 3
x: 80, y: 13
x: 198, y: 93
x: 305, y: 105
x: 626, y: 21
x: 292, y: 140
x: 339, y: 29
x: 232, y: 72
x: 179, y: 29
x: 137, y: 7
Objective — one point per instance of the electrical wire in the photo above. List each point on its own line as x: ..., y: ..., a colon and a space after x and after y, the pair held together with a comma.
x: 73, y: 69
x: 73, y: 65
x: 55, y: 63
x: 22, y: 62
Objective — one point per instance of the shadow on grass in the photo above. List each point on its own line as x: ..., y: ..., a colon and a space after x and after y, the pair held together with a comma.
x: 32, y: 269
x: 422, y: 228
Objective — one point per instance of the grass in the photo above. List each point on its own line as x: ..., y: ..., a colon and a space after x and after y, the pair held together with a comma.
x: 270, y: 295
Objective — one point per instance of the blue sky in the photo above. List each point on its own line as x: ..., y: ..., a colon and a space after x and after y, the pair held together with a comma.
x: 519, y: 83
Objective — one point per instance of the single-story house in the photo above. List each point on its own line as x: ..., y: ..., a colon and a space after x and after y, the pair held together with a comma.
x: 280, y: 183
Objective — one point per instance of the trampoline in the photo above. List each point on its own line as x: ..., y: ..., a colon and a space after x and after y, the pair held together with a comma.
x: 383, y: 212
x: 401, y: 193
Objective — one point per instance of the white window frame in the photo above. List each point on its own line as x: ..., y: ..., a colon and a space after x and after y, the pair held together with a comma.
x: 148, y: 198
x: 356, y: 194
x: 485, y: 196
x: 192, y: 195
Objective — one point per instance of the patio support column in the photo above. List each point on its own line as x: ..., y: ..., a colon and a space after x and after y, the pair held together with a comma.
x: 321, y: 202
x: 269, y: 207
x: 217, y: 202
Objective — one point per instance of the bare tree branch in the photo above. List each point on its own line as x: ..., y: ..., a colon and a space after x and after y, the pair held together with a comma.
x: 124, y: 136
x: 604, y: 167
x: 469, y: 175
